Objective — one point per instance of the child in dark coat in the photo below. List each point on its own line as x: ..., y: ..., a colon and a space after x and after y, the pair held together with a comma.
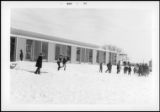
x: 65, y: 59
x: 21, y: 55
x: 39, y: 64
x: 118, y: 68
x: 129, y: 70
x: 59, y: 60
x: 109, y: 67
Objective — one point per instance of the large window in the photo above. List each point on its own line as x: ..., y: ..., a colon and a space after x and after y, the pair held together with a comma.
x: 83, y: 55
x: 101, y: 56
x: 97, y: 58
x: 90, y: 55
x: 104, y: 57
x: 29, y: 49
x: 87, y: 55
x: 69, y: 52
x: 37, y: 49
x: 45, y: 50
x: 78, y: 54
x: 113, y: 57
x: 63, y: 50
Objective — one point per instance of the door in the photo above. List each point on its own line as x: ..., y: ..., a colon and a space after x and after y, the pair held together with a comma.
x: 13, y: 49
x: 45, y: 50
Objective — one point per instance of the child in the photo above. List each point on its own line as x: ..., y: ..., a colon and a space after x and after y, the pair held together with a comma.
x: 118, y: 68
x: 21, y: 55
x: 38, y: 64
x: 64, y: 62
x: 59, y: 60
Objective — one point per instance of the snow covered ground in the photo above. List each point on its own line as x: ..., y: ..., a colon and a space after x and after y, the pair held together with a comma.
x: 79, y: 84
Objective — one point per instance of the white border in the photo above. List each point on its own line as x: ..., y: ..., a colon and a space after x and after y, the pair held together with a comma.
x: 6, y: 7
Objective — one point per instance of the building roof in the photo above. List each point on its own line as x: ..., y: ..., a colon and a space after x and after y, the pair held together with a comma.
x: 16, y: 31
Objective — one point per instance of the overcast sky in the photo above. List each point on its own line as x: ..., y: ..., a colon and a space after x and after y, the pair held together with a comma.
x: 127, y: 28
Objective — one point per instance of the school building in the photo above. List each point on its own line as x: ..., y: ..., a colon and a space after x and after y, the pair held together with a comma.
x: 32, y: 44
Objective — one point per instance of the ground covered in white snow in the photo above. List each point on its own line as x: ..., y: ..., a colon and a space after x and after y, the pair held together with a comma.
x: 79, y: 84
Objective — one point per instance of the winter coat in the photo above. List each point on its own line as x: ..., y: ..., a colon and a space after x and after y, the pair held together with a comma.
x: 64, y: 60
x: 59, y: 60
x: 109, y: 66
x: 101, y: 65
x: 39, y: 62
x: 21, y: 55
x: 129, y: 69
x: 118, y: 66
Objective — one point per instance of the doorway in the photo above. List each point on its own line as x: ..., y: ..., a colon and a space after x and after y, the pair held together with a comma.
x: 13, y: 42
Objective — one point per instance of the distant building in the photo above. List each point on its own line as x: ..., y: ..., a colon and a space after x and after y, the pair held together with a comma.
x: 33, y: 44
x: 122, y: 57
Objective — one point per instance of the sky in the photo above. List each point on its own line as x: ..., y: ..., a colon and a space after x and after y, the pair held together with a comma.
x: 127, y: 28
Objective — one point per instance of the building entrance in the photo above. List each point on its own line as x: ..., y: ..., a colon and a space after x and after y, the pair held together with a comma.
x: 13, y: 48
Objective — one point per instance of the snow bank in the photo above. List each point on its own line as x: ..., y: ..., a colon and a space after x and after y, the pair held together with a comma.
x: 79, y: 84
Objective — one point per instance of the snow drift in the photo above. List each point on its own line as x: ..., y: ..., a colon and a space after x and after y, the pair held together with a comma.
x: 79, y: 84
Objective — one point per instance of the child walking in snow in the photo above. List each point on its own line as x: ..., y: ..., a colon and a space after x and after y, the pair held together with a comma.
x: 64, y: 62
x: 59, y: 60
x: 38, y: 64
x: 21, y: 55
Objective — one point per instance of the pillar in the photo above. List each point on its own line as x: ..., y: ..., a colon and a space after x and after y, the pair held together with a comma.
x: 73, y: 54
x: 94, y: 56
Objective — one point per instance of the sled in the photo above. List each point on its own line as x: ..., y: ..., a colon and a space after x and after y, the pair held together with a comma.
x: 13, y: 65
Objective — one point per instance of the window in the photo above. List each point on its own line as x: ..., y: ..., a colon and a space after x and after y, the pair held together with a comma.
x: 97, y: 59
x: 78, y: 54
x: 57, y: 52
x: 62, y: 50
x: 104, y: 56
x: 87, y: 55
x: 37, y: 49
x: 45, y: 50
x: 90, y: 55
x: 29, y: 49
x: 101, y: 56
x: 83, y: 55
x: 113, y: 57
x: 12, y: 49
x: 69, y: 52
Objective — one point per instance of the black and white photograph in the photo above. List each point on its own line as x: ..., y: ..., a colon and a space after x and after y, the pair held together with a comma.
x: 80, y: 55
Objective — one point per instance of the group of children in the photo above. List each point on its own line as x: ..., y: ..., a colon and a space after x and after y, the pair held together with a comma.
x: 109, y: 68
x: 141, y: 69
x: 60, y: 59
x: 63, y: 60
